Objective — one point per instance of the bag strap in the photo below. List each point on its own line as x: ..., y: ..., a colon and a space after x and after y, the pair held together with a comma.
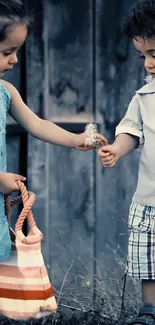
x: 28, y: 199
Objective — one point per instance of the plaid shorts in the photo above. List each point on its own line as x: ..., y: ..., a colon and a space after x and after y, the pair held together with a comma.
x: 141, y: 246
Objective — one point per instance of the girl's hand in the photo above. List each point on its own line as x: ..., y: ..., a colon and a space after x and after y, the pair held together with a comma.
x: 108, y: 155
x: 79, y: 142
x: 8, y: 182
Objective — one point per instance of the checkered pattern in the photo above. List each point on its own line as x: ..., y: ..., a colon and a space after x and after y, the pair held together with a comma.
x: 141, y: 246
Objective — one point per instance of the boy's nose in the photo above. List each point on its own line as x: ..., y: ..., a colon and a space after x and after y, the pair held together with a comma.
x: 149, y: 63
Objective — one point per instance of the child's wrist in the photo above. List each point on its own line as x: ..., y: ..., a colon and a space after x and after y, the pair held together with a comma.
x: 78, y: 140
x: 74, y: 140
x: 117, y: 151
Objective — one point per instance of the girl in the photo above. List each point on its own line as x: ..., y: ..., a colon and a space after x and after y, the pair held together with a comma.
x: 14, y: 25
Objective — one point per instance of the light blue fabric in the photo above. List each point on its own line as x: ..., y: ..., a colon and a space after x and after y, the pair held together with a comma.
x: 139, y: 120
x: 5, y: 242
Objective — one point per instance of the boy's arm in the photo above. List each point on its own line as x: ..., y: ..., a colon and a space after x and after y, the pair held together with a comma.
x: 123, y: 145
x: 43, y: 129
x: 129, y: 134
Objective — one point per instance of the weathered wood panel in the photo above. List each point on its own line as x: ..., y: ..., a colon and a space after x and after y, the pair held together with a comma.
x: 71, y: 173
x: 37, y: 163
x: 14, y: 138
x: 13, y: 150
x: 62, y: 178
x: 70, y: 59
x: 71, y: 223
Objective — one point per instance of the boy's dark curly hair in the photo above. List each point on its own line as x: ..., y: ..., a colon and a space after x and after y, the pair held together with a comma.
x: 141, y: 20
x: 12, y: 12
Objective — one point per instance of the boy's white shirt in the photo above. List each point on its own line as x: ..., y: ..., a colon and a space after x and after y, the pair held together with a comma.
x: 139, y: 120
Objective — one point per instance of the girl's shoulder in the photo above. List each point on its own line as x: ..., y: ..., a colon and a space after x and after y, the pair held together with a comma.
x: 5, y: 88
x: 10, y: 89
x: 5, y: 94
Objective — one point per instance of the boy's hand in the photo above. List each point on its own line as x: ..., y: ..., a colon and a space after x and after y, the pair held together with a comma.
x: 108, y: 155
x: 79, y: 142
x: 8, y: 182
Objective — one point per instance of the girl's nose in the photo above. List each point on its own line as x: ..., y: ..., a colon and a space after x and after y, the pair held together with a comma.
x: 13, y: 59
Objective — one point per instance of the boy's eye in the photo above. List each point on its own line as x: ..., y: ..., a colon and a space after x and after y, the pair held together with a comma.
x: 7, y: 53
x: 142, y: 57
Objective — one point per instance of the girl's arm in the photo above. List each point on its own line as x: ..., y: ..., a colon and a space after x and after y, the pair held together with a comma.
x: 43, y: 129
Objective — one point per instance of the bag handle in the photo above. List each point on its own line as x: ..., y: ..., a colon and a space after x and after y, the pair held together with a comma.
x: 28, y: 199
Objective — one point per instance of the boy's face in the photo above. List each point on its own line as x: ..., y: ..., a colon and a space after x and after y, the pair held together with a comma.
x: 146, y: 48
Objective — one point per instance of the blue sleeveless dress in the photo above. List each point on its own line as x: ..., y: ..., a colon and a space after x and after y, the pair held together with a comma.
x: 5, y: 242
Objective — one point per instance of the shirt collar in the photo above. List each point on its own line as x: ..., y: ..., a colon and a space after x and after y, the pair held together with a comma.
x: 148, y: 88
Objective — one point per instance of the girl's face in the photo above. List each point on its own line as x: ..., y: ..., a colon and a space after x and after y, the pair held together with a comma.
x: 16, y: 36
x: 146, y: 48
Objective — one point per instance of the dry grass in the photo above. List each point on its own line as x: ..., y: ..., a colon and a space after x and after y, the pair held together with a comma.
x: 88, y: 318
x: 116, y: 298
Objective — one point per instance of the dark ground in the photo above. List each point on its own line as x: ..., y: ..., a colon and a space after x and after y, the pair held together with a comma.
x: 88, y: 318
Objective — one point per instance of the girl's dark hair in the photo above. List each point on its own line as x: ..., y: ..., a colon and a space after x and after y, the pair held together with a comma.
x: 141, y: 20
x: 12, y: 12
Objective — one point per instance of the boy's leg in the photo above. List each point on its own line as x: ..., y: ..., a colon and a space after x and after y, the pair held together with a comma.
x: 148, y: 291
x: 141, y: 259
x: 146, y: 314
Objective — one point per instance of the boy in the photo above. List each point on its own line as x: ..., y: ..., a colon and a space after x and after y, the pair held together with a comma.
x: 138, y: 127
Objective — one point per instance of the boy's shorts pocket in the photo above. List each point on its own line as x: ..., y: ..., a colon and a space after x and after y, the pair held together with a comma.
x: 141, y: 218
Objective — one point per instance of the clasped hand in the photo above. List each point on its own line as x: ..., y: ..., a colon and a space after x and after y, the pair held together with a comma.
x: 108, y: 155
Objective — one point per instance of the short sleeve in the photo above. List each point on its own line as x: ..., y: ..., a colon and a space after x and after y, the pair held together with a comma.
x: 132, y: 121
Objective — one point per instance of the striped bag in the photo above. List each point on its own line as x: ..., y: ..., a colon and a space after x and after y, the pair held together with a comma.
x: 25, y: 289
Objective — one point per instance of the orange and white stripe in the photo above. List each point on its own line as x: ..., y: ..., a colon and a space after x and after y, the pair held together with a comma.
x: 25, y: 289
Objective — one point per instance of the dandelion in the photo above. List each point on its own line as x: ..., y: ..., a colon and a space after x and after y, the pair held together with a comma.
x: 92, y: 140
